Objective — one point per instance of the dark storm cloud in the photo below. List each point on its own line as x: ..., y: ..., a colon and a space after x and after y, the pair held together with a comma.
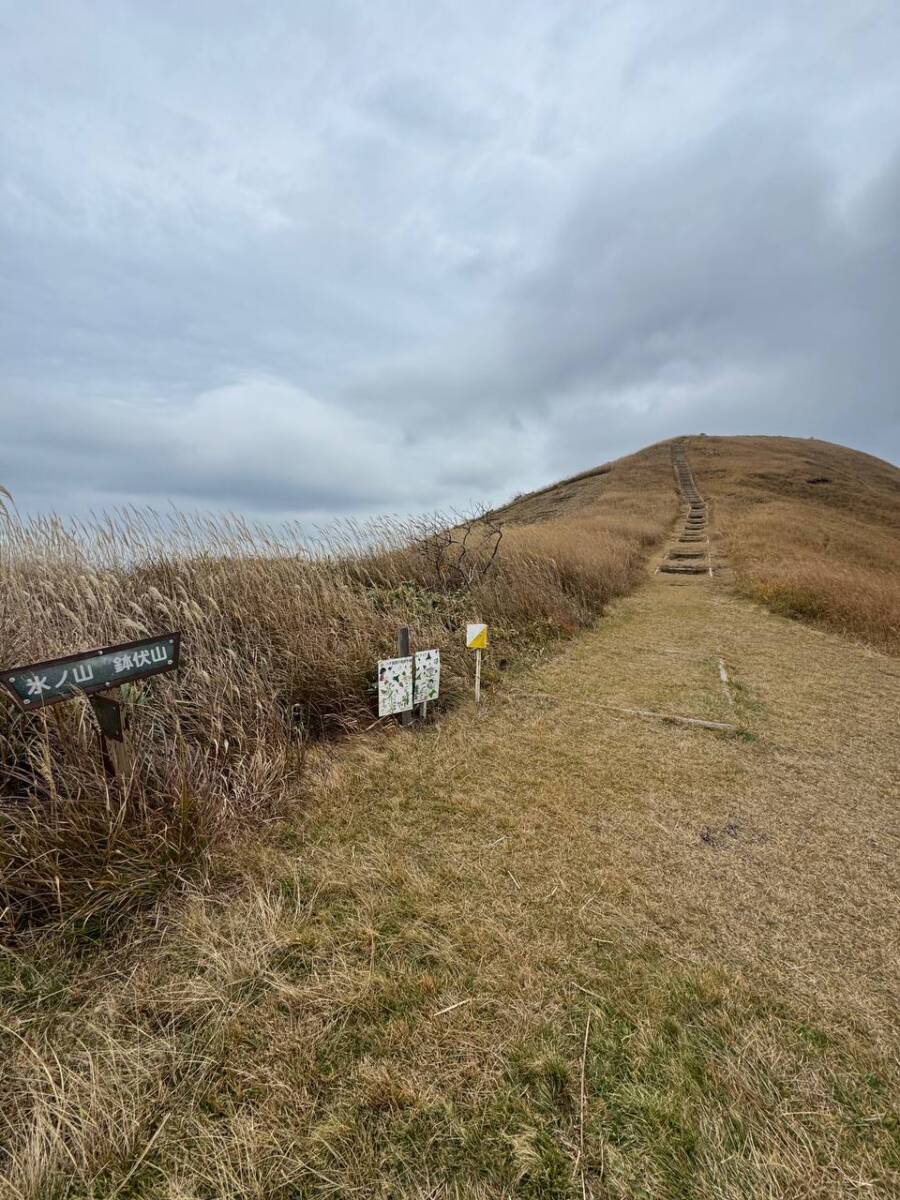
x: 340, y: 258
x: 721, y: 288
x: 724, y: 289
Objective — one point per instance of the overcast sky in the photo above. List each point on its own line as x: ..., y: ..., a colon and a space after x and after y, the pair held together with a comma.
x: 314, y: 257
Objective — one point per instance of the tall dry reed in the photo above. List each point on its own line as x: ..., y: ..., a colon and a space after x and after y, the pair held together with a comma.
x: 280, y: 638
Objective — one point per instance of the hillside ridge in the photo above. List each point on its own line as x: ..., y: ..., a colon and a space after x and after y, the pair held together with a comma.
x: 780, y: 460
x: 810, y: 528
x: 622, y: 929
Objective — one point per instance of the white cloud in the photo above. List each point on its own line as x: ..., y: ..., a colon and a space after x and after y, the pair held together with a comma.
x: 286, y: 241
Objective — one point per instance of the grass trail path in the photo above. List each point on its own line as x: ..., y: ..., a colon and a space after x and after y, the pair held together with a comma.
x: 544, y: 948
x: 776, y: 850
x: 721, y: 908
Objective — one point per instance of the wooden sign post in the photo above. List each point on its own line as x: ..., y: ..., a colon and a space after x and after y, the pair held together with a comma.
x: 111, y: 723
x: 477, y: 640
x: 403, y: 652
x: 91, y: 672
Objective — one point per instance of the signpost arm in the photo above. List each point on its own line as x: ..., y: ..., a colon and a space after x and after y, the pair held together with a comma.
x: 113, y: 747
x: 403, y: 652
x: 88, y: 674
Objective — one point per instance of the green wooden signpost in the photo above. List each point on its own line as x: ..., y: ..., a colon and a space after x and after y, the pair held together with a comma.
x: 93, y: 671
x: 57, y: 679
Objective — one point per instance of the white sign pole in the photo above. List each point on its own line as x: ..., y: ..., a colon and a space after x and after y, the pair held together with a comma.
x: 477, y: 639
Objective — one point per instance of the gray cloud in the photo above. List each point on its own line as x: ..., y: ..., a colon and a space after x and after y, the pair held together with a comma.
x: 348, y: 258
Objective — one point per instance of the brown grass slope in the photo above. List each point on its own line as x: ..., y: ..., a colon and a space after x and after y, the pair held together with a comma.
x: 280, y: 642
x: 542, y: 949
x: 812, y: 529
x: 538, y: 950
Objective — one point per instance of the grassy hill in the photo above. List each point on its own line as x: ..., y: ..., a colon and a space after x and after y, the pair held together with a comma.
x: 281, y: 641
x: 810, y: 528
x: 573, y: 943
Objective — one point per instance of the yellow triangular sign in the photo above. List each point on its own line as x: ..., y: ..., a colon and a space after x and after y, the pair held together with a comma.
x: 476, y: 637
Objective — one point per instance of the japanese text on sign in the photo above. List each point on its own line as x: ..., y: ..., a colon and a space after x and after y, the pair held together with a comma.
x: 62, y: 678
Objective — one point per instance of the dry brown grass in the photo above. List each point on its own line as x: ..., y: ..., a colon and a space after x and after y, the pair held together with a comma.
x: 812, y: 529
x: 280, y: 642
x: 540, y: 950
x: 543, y: 949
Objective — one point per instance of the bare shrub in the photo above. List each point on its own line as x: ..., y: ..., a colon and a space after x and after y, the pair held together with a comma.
x: 461, y: 554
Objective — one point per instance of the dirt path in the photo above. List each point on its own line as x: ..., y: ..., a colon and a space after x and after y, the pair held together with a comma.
x: 775, y: 850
